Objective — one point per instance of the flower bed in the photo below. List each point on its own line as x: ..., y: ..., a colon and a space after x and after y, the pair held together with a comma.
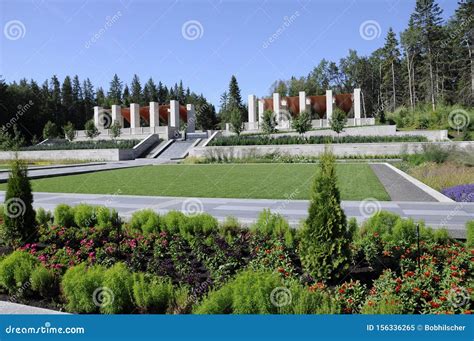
x: 88, y: 261
x: 461, y: 193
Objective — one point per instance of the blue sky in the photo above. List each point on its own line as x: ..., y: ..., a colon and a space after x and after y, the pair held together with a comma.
x: 224, y: 38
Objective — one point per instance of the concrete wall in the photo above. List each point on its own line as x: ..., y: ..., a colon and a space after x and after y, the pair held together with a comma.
x: 370, y: 130
x: 77, y: 154
x: 129, y: 133
x: 346, y: 149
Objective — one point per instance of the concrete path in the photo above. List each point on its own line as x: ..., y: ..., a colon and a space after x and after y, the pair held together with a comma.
x: 15, y: 308
x: 398, y: 187
x: 435, y: 214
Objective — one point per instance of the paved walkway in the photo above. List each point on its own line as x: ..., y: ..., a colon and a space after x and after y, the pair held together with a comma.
x: 15, y: 308
x: 435, y: 214
x: 398, y: 187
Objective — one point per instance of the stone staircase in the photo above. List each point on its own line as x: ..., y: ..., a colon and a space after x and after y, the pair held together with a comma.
x: 176, y: 150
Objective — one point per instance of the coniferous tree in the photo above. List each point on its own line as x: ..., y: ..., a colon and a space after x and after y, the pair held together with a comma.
x: 136, y: 95
x: 126, y: 96
x: 391, y: 68
x: 19, y: 217
x: 115, y: 91
x: 324, y: 244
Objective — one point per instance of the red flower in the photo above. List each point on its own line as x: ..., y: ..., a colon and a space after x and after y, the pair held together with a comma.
x: 427, y: 274
x: 376, y: 234
x: 409, y: 274
x: 443, y: 299
x: 467, y: 312
x: 371, y: 303
x: 397, y: 288
x: 453, y: 267
x: 281, y: 270
x: 341, y: 291
x: 268, y: 252
x: 434, y: 304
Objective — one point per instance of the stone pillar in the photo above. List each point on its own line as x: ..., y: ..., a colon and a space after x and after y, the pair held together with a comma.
x: 191, y: 116
x: 154, y: 115
x: 97, y: 119
x: 134, y: 115
x: 356, y: 104
x: 261, y: 110
x: 302, y: 100
x: 173, y: 118
x: 328, y: 105
x: 276, y: 106
x: 252, y: 111
x: 117, y: 114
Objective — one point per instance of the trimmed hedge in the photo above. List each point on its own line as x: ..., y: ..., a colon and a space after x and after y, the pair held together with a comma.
x: 260, y: 140
x: 100, y: 144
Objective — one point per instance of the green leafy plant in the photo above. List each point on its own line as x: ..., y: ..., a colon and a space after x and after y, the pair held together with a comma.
x: 115, y: 129
x: 44, y: 282
x: 64, y: 215
x: 91, y: 129
x: 146, y: 221
x: 338, y: 120
x: 302, y: 123
x: 84, y: 215
x: 50, y: 130
x: 118, y: 282
x: 69, y: 131
x: 80, y: 285
x: 236, y: 121
x: 269, y: 122
x: 15, y: 271
x: 152, y: 294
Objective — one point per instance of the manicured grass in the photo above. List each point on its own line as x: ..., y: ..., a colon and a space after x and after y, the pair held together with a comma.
x: 272, y: 181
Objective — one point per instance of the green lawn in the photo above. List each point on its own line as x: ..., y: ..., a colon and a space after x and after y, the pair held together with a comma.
x: 272, y: 181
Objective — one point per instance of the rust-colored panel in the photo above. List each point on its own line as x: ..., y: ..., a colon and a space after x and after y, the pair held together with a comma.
x: 344, y: 102
x: 293, y: 105
x: 318, y: 105
x: 268, y: 104
x: 145, y: 113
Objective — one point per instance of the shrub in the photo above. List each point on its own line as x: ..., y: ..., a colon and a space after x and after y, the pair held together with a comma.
x: 236, y: 123
x: 274, y: 225
x: 107, y: 218
x: 69, y: 131
x: 248, y: 293
x: 82, y: 287
x: 380, y: 223
x: 146, y: 221
x: 200, y: 224
x: 43, y: 217
x: 269, y: 123
x: 324, y: 245
x: 16, y: 269
x: 84, y: 215
x: 470, y: 234
x: 306, y: 300
x: 229, y: 228
x: 64, y: 215
x: 44, y: 282
x: 174, y: 221
x: 386, y: 304
x: 302, y: 123
x: 152, y: 294
x: 118, y: 281
x: 338, y: 120
x: 19, y: 217
x: 50, y: 130
x: 91, y: 129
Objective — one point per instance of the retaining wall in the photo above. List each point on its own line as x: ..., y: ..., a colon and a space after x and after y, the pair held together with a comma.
x: 76, y: 154
x: 343, y: 149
